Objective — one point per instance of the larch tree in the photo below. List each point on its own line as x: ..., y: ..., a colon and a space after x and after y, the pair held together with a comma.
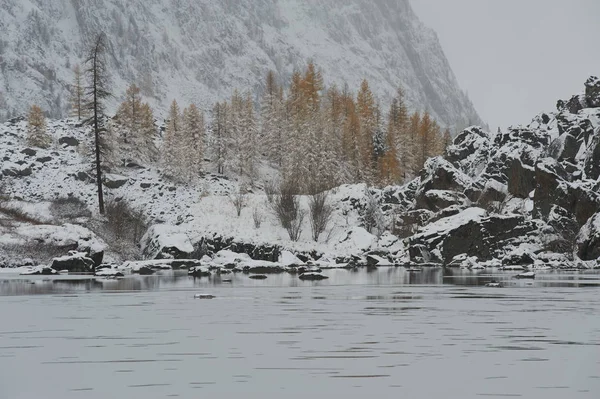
x: 147, y: 134
x: 37, y: 135
x: 129, y: 114
x: 172, y: 150
x: 193, y: 137
x: 365, y: 103
x: 77, y: 94
x: 96, y: 92
x: 219, y: 136
x: 446, y: 140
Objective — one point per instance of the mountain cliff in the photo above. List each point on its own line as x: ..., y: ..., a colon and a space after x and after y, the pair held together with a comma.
x: 201, y: 50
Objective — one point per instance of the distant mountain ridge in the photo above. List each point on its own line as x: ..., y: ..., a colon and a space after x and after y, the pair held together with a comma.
x: 201, y: 50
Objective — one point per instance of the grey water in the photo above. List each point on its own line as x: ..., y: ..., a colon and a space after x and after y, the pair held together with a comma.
x: 388, y: 333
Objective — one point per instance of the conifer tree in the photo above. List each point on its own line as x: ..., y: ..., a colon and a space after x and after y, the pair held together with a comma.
x: 77, y: 94
x: 172, y: 151
x: 147, y: 134
x: 96, y: 92
x: 193, y: 153
x: 129, y: 114
x: 219, y: 136
x: 446, y: 140
x: 36, y: 128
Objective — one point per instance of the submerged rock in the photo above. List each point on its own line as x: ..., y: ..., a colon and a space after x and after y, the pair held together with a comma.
x: 258, y: 277
x: 312, y: 277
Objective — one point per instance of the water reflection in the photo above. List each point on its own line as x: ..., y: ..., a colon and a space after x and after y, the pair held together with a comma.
x: 39, y: 285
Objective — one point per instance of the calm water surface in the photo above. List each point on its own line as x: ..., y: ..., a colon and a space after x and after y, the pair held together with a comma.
x: 389, y: 333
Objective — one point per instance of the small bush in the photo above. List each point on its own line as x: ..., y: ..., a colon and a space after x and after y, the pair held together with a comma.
x: 125, y: 222
x: 286, y: 205
x: 257, y: 216
x: 239, y: 201
x: 320, y: 214
x: 69, y: 208
x: 17, y: 213
x: 372, y: 216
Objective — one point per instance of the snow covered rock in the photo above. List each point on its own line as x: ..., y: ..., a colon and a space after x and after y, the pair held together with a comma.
x: 115, y: 181
x: 41, y: 270
x: 16, y: 170
x: 75, y: 262
x: 588, y: 240
x: 163, y: 241
x: 439, y: 174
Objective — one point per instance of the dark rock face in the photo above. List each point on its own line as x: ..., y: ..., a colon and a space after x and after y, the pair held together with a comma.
x: 436, y: 200
x: 77, y: 263
x: 574, y: 105
x: 484, y: 238
x: 521, y: 179
x: 493, y: 191
x: 592, y: 161
x: 440, y: 174
x: 68, y: 141
x: 592, y: 92
x: 588, y: 241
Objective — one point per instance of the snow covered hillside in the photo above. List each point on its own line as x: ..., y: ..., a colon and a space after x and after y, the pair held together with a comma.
x: 201, y: 50
x: 527, y: 197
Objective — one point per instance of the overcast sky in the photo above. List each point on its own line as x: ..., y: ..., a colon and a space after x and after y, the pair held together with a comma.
x: 516, y: 58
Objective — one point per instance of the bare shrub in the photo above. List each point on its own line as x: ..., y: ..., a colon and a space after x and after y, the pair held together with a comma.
x: 239, y: 201
x: 286, y: 205
x: 257, y: 216
x: 17, y: 213
x: 69, y: 208
x: 270, y: 190
x: 125, y: 222
x: 320, y: 213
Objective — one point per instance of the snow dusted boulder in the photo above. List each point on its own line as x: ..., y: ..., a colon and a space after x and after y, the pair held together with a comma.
x: 588, y: 240
x: 494, y: 191
x: 75, y: 262
x: 163, y: 241
x: 357, y: 240
x: 564, y: 148
x: 532, y: 137
x: 436, y: 200
x: 592, y: 92
x: 286, y: 258
x: 15, y: 170
x: 41, y: 270
x: 439, y: 174
x: 114, y: 181
x: 519, y: 257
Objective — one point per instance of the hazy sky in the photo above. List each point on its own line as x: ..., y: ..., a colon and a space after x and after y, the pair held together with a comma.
x: 516, y: 58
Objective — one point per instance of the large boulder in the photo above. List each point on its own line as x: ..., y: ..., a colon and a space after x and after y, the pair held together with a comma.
x: 163, y: 241
x: 115, y: 181
x: 588, y: 240
x: 68, y: 141
x: 75, y: 262
x: 439, y: 174
x: 494, y: 191
x: 548, y: 175
x: 592, y: 92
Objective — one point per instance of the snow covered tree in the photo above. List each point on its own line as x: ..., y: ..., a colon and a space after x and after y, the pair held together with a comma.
x: 365, y: 103
x: 219, y: 136
x: 77, y: 94
x: 129, y: 114
x: 96, y: 92
x: 172, y: 146
x: 446, y: 140
x: 36, y: 128
x: 193, y: 139
x: 147, y: 134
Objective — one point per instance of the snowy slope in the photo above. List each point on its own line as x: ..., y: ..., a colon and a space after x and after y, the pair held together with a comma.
x: 200, y: 50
